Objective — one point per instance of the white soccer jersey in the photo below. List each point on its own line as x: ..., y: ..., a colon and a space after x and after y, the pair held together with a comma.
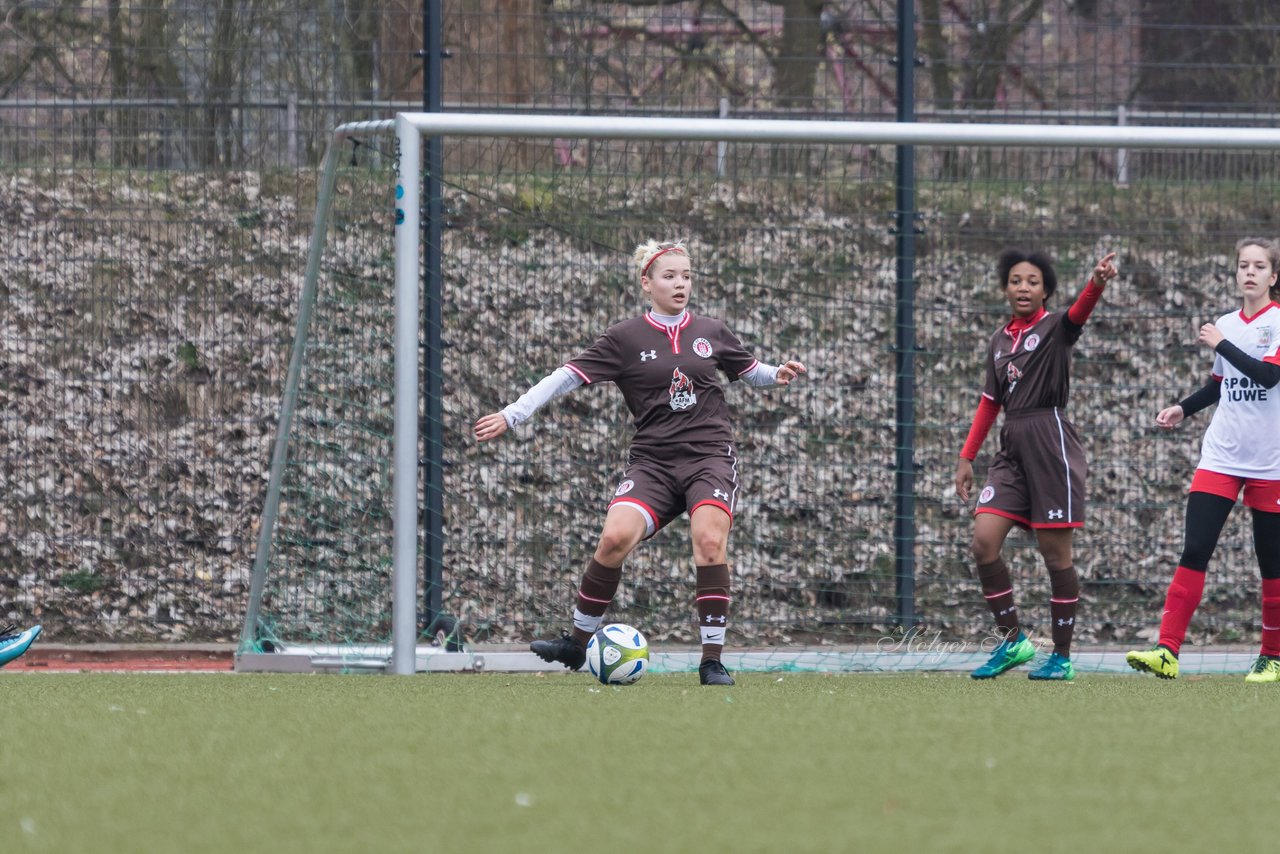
x: 1243, y: 438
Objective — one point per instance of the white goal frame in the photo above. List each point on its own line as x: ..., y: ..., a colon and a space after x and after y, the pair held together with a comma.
x: 411, y: 128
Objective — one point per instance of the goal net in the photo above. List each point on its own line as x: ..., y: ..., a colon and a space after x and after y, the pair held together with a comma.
x: 793, y: 230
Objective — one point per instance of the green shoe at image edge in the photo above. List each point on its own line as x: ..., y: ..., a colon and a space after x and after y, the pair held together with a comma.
x: 1265, y: 669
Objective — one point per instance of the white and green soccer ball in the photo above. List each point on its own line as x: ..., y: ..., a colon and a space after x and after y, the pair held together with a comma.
x: 617, y: 654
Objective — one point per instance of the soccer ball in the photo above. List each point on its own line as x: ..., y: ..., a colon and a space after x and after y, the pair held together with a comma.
x: 617, y: 654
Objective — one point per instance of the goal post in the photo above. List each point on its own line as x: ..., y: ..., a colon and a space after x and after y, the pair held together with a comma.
x: 827, y: 142
x: 255, y: 637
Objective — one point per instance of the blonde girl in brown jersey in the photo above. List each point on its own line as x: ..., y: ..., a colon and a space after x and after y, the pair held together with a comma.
x: 682, y: 457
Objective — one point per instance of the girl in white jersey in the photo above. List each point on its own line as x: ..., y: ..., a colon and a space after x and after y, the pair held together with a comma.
x: 1241, y: 450
x: 682, y: 459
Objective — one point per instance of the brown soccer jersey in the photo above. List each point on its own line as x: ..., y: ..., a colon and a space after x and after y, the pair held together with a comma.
x: 1038, y: 476
x: 668, y: 376
x: 1031, y: 368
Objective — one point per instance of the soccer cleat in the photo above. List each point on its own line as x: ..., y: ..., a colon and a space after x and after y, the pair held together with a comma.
x: 1265, y: 669
x: 1160, y: 661
x: 712, y: 672
x: 563, y: 649
x: 14, y: 643
x: 1055, y: 668
x: 1006, y: 657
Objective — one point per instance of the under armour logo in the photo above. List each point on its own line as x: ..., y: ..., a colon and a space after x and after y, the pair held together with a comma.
x: 1008, y: 610
x: 646, y: 355
x: 721, y: 494
x: 1055, y: 514
x: 711, y: 619
x: 1066, y: 622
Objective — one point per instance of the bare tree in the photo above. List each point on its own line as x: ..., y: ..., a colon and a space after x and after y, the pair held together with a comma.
x: 793, y: 56
x: 795, y: 60
x: 1203, y: 56
x: 214, y: 144
x: 990, y: 30
x: 512, y: 32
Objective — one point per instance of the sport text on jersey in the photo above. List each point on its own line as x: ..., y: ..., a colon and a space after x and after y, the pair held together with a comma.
x: 1243, y: 389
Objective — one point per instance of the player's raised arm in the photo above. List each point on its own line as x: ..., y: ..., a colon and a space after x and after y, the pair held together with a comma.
x: 1103, y: 272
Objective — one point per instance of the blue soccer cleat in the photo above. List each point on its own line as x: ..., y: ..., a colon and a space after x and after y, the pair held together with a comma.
x: 14, y: 643
x: 1007, y: 655
x: 1056, y: 668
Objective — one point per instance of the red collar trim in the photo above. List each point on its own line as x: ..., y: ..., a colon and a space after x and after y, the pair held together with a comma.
x: 672, y: 332
x: 656, y: 324
x: 1018, y: 325
x: 1261, y: 312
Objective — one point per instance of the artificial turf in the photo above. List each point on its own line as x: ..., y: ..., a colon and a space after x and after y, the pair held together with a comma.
x: 506, y: 762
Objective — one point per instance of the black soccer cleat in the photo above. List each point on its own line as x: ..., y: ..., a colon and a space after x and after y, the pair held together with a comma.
x: 712, y: 672
x: 563, y: 649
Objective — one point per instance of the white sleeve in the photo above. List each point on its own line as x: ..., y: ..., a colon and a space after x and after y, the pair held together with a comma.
x: 761, y: 375
x: 558, y: 382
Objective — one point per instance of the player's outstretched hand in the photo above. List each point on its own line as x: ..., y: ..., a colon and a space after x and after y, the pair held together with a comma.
x: 1210, y: 336
x: 490, y: 427
x: 964, y: 478
x: 1105, y: 270
x: 1170, y: 416
x: 789, y: 372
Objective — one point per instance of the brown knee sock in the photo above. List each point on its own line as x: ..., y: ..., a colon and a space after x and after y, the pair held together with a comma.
x: 997, y: 589
x: 1064, y: 585
x: 599, y: 583
x: 713, y: 608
